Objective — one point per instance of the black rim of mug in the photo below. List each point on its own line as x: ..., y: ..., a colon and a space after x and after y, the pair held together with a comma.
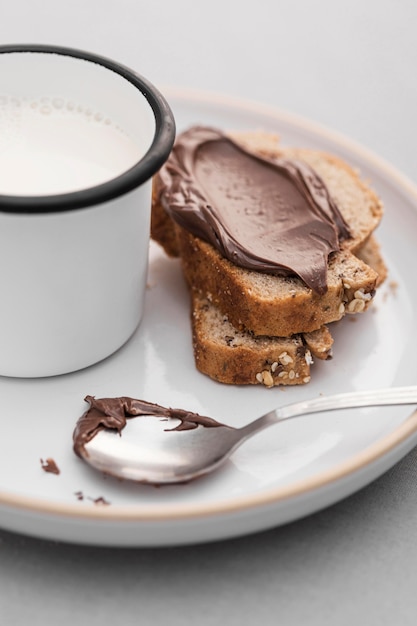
x: 141, y: 172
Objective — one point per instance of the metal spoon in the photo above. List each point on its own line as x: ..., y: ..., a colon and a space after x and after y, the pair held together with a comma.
x: 150, y: 450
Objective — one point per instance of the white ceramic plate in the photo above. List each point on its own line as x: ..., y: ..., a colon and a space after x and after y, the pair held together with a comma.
x: 282, y: 474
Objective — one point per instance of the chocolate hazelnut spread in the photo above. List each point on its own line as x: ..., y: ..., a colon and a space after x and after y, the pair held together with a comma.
x: 49, y: 466
x: 272, y: 215
x: 112, y: 413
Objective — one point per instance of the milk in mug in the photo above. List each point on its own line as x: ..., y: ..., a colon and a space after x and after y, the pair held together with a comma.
x: 51, y: 145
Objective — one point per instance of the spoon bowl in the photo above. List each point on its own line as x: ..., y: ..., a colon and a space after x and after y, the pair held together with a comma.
x: 151, y: 451
x: 157, y: 449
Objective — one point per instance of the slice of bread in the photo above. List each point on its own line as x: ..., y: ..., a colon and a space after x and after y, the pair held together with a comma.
x: 274, y: 305
x: 232, y: 356
x: 271, y: 305
x: 251, y: 327
x: 263, y: 303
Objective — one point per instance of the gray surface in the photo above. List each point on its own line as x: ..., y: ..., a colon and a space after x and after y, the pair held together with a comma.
x: 348, y: 65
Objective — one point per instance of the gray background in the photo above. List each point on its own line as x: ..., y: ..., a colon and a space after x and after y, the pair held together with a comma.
x: 350, y: 65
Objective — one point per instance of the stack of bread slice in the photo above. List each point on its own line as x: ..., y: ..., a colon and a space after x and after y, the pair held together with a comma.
x: 252, y: 327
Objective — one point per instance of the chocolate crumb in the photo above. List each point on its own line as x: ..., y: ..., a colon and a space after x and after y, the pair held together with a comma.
x: 50, y: 466
x: 393, y: 285
x: 100, y: 500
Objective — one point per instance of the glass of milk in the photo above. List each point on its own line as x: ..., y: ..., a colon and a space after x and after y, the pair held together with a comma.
x: 80, y: 139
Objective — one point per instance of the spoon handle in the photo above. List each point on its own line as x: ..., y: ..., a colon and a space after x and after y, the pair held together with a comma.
x: 350, y: 400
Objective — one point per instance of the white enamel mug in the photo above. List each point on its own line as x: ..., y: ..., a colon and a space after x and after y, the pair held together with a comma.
x: 80, y: 138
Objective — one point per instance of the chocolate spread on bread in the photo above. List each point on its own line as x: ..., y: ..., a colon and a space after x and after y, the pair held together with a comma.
x: 112, y: 413
x: 272, y: 215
